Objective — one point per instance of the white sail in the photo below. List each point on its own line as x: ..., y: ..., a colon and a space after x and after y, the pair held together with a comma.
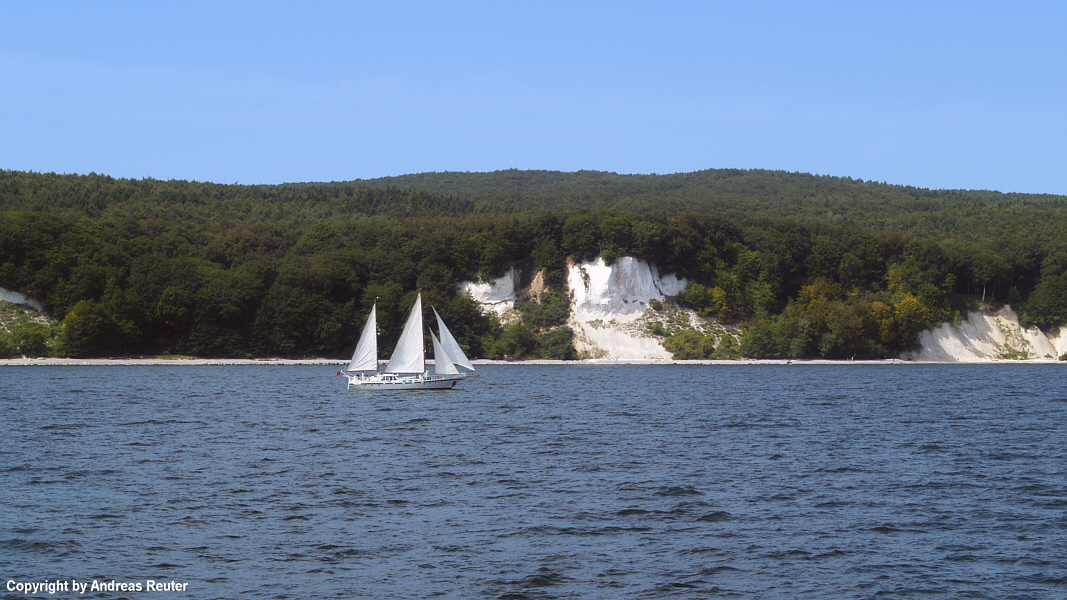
x: 409, y: 355
x: 451, y: 346
x: 365, y: 358
x: 442, y: 364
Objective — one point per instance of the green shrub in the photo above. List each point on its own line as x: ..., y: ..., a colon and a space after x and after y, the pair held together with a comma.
x: 557, y: 344
x: 690, y: 345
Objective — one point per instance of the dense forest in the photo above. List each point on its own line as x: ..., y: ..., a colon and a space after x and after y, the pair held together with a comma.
x: 806, y: 265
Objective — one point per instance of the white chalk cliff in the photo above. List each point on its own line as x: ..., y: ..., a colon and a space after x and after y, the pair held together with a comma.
x: 496, y: 296
x: 610, y: 312
x: 608, y: 303
x: 988, y: 335
x: 21, y: 299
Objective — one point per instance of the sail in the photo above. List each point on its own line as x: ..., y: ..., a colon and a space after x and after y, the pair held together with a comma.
x: 365, y: 358
x: 408, y: 356
x: 451, y: 346
x: 442, y: 364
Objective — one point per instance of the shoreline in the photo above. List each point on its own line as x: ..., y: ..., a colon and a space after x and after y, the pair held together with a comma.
x: 157, y: 362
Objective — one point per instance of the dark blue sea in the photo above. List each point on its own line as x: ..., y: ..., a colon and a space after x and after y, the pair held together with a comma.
x: 614, y: 482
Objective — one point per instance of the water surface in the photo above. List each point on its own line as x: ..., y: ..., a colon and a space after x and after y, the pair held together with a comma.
x: 541, y: 481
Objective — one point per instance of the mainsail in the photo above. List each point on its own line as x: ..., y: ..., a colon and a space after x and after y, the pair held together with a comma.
x: 451, y: 346
x: 365, y: 358
x: 408, y: 356
x: 442, y: 363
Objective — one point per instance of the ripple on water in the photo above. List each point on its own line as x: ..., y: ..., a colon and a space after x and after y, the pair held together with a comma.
x: 597, y: 482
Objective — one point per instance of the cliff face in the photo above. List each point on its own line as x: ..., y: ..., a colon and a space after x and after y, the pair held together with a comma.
x: 988, y: 335
x: 609, y: 305
x: 496, y: 296
x: 611, y: 308
x: 21, y: 299
x: 610, y: 311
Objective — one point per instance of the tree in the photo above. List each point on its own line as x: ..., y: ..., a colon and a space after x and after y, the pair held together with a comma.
x: 1048, y: 304
x: 758, y: 341
x: 911, y: 317
x: 87, y: 330
x: 516, y: 341
x: 557, y: 344
x: 581, y: 237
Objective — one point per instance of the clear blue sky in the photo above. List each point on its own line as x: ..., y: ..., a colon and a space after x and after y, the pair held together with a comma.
x: 934, y: 94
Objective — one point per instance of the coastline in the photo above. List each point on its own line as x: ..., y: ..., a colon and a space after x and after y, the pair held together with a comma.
x: 157, y: 362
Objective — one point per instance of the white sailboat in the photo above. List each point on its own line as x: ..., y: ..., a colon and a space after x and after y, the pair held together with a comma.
x: 406, y: 369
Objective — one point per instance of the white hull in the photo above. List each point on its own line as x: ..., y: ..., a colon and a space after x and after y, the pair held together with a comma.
x: 399, y: 382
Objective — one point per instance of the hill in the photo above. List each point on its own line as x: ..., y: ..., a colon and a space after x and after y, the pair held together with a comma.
x: 990, y: 217
x: 757, y: 194
x: 807, y: 265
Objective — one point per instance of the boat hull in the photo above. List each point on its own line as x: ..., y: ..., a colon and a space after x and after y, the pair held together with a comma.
x: 393, y: 382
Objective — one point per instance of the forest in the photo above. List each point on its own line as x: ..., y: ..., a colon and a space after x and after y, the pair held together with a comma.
x: 806, y: 265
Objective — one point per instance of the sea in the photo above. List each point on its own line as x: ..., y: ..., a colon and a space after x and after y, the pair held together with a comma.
x: 536, y: 481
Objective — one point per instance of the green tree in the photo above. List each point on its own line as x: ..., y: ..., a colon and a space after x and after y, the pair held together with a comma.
x: 581, y: 236
x: 910, y: 316
x: 557, y: 344
x: 515, y: 342
x: 87, y: 330
x: 758, y: 341
x: 1048, y: 304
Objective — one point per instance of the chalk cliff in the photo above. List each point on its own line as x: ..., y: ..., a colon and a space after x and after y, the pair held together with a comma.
x: 610, y: 311
x: 496, y: 296
x: 21, y: 299
x: 609, y: 305
x: 988, y: 335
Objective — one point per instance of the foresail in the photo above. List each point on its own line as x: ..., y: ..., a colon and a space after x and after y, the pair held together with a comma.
x: 365, y: 358
x: 442, y: 364
x: 409, y: 357
x: 451, y: 346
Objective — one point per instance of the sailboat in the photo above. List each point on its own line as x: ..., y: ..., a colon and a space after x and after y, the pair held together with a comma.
x: 406, y: 369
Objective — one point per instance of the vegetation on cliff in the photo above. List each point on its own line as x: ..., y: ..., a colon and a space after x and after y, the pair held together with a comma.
x: 810, y: 266
x: 24, y: 332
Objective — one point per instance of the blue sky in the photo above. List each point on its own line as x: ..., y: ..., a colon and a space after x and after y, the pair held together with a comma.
x: 933, y: 94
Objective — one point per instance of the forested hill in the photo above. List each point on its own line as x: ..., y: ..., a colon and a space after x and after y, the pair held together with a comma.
x: 756, y: 194
x: 808, y: 266
x: 194, y: 202
x: 991, y: 217
x: 727, y: 184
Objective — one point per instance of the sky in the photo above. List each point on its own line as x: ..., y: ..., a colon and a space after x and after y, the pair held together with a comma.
x: 933, y: 94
